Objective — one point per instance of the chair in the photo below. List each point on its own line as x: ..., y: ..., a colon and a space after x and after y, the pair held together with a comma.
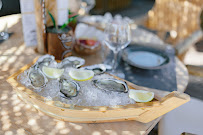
x: 181, y: 19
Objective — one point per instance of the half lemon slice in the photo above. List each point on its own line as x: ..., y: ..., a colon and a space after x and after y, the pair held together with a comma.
x: 81, y: 75
x: 52, y: 72
x: 141, y: 95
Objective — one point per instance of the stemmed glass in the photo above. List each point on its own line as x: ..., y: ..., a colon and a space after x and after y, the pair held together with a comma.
x: 117, y: 37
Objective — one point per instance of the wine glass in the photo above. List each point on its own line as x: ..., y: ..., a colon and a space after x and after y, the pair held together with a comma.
x: 86, y: 6
x: 117, y: 37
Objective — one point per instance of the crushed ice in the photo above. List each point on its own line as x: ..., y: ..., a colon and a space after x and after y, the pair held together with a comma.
x: 89, y: 95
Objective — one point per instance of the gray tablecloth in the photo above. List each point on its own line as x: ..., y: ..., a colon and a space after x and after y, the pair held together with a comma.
x: 163, y: 79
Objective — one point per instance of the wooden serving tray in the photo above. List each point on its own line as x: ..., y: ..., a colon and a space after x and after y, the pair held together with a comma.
x: 142, y: 112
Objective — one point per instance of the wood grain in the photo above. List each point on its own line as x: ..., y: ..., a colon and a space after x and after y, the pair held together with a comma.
x: 41, y: 28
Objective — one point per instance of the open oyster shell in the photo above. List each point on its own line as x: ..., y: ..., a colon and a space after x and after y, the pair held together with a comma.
x: 36, y: 77
x: 111, y: 85
x: 72, y: 61
x: 45, y: 60
x: 68, y: 88
x: 97, y: 68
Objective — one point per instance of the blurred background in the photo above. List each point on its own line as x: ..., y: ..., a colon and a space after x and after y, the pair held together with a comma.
x: 131, y: 8
x: 10, y: 7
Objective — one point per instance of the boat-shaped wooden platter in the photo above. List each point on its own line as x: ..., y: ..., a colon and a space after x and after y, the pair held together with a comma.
x: 143, y: 112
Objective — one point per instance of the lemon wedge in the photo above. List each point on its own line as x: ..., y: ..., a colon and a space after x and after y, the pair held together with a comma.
x: 81, y: 75
x: 141, y: 95
x: 52, y: 72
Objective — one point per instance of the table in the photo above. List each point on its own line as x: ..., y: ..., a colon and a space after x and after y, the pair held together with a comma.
x: 18, y: 117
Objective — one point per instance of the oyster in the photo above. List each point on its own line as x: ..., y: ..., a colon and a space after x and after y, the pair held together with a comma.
x: 37, y: 78
x: 68, y: 88
x: 45, y: 60
x: 111, y: 85
x: 46, y: 57
x: 97, y: 69
x: 72, y: 61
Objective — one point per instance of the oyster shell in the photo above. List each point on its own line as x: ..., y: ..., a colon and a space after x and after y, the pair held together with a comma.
x: 72, y: 61
x: 45, y: 60
x: 111, y: 85
x: 97, y: 68
x: 68, y: 88
x: 37, y: 78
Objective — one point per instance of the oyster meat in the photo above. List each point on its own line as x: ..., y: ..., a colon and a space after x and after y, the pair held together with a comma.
x: 97, y: 69
x: 68, y: 88
x: 37, y: 78
x: 111, y: 85
x: 72, y: 61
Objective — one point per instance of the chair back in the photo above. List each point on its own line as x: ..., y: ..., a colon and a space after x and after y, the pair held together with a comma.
x: 179, y: 17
